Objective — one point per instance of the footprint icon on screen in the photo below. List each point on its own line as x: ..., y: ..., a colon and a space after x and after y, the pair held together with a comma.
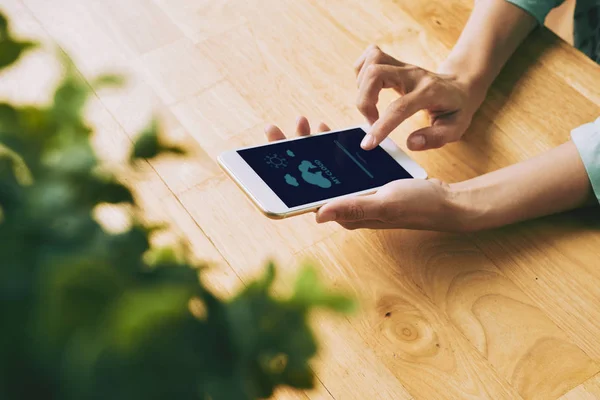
x: 290, y: 180
x: 314, y: 178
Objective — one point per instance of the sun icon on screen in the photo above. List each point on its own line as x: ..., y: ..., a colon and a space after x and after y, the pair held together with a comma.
x: 275, y: 161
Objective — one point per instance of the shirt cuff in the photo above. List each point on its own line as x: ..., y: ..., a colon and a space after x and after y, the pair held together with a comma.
x: 587, y: 141
x: 537, y: 8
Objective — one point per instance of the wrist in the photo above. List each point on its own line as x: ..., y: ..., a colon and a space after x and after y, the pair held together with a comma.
x: 469, y: 206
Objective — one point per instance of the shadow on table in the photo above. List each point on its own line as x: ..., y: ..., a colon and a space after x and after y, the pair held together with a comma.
x: 555, y: 247
x: 579, y: 229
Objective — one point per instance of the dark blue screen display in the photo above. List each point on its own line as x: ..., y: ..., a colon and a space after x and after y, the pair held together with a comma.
x: 322, y: 167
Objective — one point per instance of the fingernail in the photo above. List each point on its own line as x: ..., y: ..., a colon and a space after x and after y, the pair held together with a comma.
x: 298, y: 119
x: 325, y: 216
x: 367, y: 142
x: 267, y: 127
x: 417, y: 142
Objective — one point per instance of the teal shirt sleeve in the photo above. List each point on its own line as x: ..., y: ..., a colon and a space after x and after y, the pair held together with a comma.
x: 539, y: 9
x: 587, y: 141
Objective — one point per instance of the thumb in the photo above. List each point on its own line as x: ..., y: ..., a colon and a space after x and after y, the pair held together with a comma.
x: 431, y: 137
x: 350, y: 209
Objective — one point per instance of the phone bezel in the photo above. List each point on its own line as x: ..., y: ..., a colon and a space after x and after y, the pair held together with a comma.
x: 268, y: 201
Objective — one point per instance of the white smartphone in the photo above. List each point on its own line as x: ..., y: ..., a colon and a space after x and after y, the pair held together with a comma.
x: 299, y: 175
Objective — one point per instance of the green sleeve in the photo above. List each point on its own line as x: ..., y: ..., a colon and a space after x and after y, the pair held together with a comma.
x: 539, y: 9
x: 587, y: 141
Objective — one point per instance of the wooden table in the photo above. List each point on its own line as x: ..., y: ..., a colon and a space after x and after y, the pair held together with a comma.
x: 508, y: 314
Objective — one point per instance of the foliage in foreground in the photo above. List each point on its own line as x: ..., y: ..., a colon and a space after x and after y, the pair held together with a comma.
x: 87, y: 314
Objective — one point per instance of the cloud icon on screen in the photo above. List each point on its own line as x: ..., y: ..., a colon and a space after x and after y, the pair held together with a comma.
x: 290, y: 153
x: 290, y: 180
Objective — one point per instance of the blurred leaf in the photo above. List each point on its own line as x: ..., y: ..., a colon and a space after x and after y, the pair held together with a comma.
x: 269, y: 277
x: 310, y: 292
x: 301, y: 378
x: 10, y: 129
x: 140, y: 311
x: 126, y: 249
x: 10, y: 51
x: 111, y: 192
x: 9, y: 120
x: 3, y: 27
x: 78, y: 158
x: 177, y: 150
x: 73, y: 296
x: 114, y: 193
x: 162, y: 256
x: 19, y: 168
x: 89, y: 313
x: 10, y: 190
x: 108, y: 80
x: 69, y: 99
x: 51, y: 197
x: 148, y: 144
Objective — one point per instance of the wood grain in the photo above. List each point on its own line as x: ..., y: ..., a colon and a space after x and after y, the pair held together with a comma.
x: 589, y: 390
x: 506, y: 314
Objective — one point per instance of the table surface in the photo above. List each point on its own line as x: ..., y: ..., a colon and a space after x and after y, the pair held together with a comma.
x: 507, y: 314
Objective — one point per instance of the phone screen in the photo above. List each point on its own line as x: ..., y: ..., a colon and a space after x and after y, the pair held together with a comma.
x: 322, y: 167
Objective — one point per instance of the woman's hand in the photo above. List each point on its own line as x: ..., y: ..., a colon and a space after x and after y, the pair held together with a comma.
x: 410, y: 204
x: 403, y: 204
x: 449, y: 102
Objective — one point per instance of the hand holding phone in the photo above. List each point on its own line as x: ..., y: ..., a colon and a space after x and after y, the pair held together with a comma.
x: 294, y: 176
x: 407, y: 203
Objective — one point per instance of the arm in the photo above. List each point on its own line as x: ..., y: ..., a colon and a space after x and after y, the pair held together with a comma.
x: 493, y: 32
x: 550, y: 183
x: 561, y: 179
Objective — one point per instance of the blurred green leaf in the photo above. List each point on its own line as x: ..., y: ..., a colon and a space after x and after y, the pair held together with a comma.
x: 268, y: 278
x: 69, y: 100
x: 10, y: 51
x: 114, y: 193
x: 90, y: 314
x: 3, y: 27
x: 140, y: 311
x: 103, y: 190
x: 9, y: 120
x: 161, y: 256
x: 76, y: 158
x: 309, y: 291
x: 108, y: 80
x: 148, y: 145
x: 74, y: 294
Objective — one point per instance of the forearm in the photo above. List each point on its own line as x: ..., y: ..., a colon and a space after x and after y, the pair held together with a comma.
x: 550, y: 183
x: 493, y: 32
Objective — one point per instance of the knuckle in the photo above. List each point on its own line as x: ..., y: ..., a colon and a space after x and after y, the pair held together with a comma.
x: 374, y: 50
x: 355, y: 212
x: 430, y: 84
x: 362, y: 105
x: 373, y: 71
x: 400, y: 107
x: 428, y: 80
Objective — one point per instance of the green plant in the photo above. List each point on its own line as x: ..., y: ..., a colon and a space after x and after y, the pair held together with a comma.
x: 87, y: 314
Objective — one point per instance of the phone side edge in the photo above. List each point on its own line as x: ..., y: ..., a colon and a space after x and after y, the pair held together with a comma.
x: 221, y: 160
x: 402, y: 158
